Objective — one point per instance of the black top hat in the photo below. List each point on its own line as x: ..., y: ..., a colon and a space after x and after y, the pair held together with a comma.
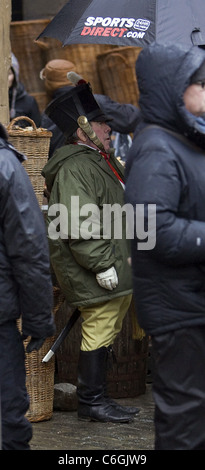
x: 65, y: 110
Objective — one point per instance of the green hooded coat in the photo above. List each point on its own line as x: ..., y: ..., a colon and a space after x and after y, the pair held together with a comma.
x: 79, y: 178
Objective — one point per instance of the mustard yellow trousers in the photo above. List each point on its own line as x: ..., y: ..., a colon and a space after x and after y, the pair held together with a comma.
x: 102, y: 322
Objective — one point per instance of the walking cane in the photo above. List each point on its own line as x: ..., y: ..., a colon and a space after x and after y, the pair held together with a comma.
x: 72, y: 320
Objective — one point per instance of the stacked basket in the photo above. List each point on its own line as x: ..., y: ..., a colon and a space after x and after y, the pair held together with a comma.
x: 117, y: 72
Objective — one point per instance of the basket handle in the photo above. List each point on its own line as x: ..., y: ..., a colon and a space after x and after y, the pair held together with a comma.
x: 41, y: 44
x: 21, y: 118
x: 120, y: 56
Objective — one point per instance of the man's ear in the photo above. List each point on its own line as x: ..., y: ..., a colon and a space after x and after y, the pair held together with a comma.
x: 81, y: 134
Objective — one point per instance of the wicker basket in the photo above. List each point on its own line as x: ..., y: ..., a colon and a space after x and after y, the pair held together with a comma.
x: 34, y: 143
x: 117, y: 72
x: 82, y: 55
x: 40, y: 375
x: 30, y: 57
x: 39, y: 380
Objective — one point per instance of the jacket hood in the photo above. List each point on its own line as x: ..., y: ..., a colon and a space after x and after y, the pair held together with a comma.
x: 54, y: 164
x: 17, y: 91
x: 163, y: 73
x: 15, y: 68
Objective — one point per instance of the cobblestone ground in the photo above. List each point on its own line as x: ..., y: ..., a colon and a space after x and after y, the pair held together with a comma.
x: 65, y: 432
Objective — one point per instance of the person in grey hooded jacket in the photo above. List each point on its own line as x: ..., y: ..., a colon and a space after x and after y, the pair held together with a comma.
x: 166, y: 168
x: 21, y: 103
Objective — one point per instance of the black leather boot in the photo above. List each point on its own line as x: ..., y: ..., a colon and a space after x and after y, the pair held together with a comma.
x: 132, y: 410
x: 92, y: 405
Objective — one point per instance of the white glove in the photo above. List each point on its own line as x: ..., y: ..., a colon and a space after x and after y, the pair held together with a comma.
x: 108, y: 279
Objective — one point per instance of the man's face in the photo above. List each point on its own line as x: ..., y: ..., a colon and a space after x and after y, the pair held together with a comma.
x: 10, y: 78
x: 194, y: 98
x: 102, y: 131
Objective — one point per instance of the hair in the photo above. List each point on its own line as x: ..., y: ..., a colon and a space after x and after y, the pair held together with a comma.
x: 72, y: 139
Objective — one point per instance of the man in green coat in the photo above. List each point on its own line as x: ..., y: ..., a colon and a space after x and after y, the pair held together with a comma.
x: 88, y: 245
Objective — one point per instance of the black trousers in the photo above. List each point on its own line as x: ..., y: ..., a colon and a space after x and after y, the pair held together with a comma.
x: 16, y: 429
x: 179, y: 389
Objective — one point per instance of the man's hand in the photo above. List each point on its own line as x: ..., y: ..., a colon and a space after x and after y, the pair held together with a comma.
x: 108, y: 279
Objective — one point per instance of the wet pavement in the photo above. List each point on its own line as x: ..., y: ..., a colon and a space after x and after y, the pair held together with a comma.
x: 63, y: 440
x: 65, y: 432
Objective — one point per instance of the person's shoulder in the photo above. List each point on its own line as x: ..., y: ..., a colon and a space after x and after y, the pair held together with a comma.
x: 10, y: 166
x: 9, y: 154
x: 77, y: 156
x: 152, y: 133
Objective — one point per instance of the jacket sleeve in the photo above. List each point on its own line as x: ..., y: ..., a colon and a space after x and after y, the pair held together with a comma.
x: 155, y: 178
x: 95, y: 252
x: 26, y: 248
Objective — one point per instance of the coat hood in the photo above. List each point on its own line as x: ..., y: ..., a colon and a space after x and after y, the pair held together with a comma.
x: 15, y: 68
x: 53, y: 165
x: 17, y: 91
x: 163, y: 73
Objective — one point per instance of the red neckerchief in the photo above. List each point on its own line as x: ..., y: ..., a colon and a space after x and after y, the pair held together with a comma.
x: 107, y: 157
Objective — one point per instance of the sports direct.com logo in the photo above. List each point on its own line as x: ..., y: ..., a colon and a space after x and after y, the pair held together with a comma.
x: 115, y: 27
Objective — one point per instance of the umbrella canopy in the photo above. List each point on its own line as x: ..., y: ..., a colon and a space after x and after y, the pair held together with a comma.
x: 129, y: 22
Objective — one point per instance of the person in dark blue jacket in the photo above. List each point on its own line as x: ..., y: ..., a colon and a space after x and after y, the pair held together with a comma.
x: 166, y: 169
x: 25, y: 290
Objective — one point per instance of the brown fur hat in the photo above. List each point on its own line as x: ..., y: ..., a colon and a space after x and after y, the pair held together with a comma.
x: 54, y: 74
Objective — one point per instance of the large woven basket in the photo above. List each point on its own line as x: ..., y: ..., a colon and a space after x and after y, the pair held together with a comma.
x: 30, y: 57
x: 39, y: 381
x: 40, y: 375
x: 117, y: 73
x: 82, y: 55
x: 34, y: 143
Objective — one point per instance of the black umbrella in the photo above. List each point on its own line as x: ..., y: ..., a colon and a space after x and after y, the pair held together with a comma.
x: 129, y: 22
